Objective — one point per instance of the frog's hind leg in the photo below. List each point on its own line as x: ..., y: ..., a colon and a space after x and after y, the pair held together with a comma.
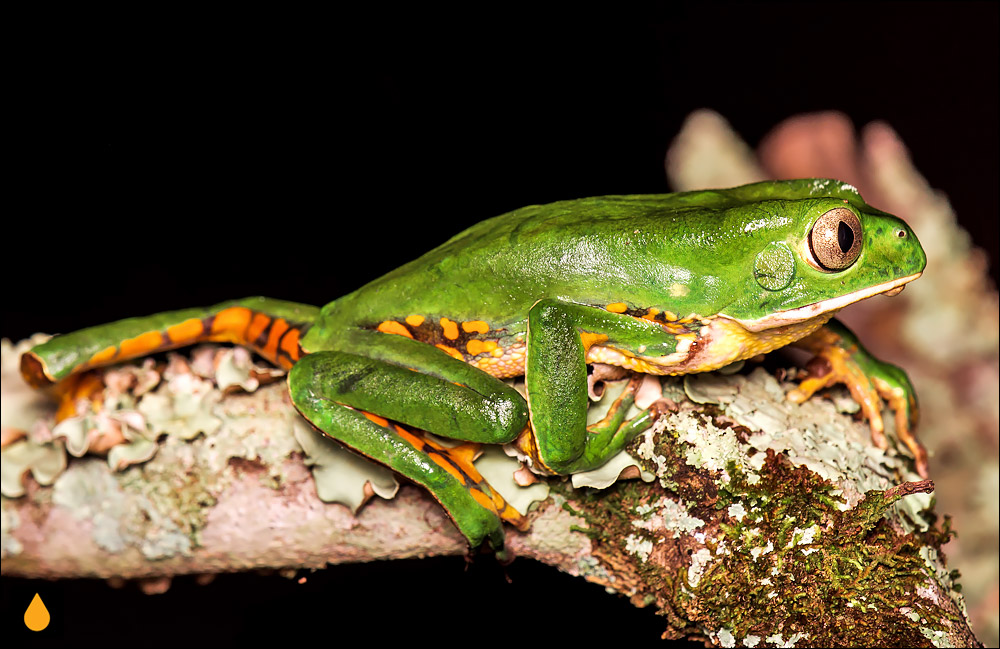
x: 458, y: 461
x: 272, y: 328
x: 358, y: 401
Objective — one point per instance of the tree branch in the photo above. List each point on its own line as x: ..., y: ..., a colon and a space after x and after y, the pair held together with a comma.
x: 764, y: 521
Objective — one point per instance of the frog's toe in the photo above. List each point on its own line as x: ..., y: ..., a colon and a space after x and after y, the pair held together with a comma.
x: 869, y: 382
x: 894, y: 386
x: 835, y: 365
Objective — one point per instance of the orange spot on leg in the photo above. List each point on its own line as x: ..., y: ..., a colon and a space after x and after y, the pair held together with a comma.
x: 257, y: 327
x: 140, y: 345
x: 290, y: 344
x: 465, y: 453
x: 186, y: 331
x: 278, y: 330
x: 589, y: 339
x: 414, y: 320
x: 514, y: 517
x: 229, y: 325
x: 413, y: 440
x: 381, y: 421
x: 393, y: 327
x: 451, y: 351
x: 483, y: 499
x: 103, y: 356
x: 617, y: 307
x: 447, y: 466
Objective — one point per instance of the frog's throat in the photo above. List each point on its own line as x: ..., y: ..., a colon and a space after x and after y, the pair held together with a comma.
x: 803, y: 313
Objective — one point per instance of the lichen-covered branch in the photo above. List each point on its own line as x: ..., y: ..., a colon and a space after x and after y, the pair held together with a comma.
x: 763, y: 522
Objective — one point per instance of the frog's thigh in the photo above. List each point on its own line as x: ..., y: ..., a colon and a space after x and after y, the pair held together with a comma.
x: 407, y: 395
x: 421, y: 385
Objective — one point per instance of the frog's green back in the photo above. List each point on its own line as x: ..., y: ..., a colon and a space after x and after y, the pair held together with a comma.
x: 593, y: 250
x: 692, y: 252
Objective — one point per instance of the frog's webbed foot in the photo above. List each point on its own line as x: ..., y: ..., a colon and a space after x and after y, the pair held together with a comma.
x: 840, y: 358
x: 832, y: 366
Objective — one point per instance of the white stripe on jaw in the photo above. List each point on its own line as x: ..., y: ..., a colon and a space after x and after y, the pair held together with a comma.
x: 792, y: 316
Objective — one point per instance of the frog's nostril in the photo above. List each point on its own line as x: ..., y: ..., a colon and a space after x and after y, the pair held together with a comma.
x: 901, y: 233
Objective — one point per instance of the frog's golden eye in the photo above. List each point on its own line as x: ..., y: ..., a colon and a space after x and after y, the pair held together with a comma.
x: 835, y: 239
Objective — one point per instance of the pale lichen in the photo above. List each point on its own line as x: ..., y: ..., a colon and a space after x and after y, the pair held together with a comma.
x: 639, y: 546
x: 9, y: 521
x: 667, y: 514
x: 498, y: 469
x: 117, y: 519
x: 699, y: 560
x: 725, y: 638
x: 772, y: 511
x: 778, y: 641
x: 45, y: 461
x: 338, y: 472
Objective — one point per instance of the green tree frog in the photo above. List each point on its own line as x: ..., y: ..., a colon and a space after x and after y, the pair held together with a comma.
x: 657, y: 284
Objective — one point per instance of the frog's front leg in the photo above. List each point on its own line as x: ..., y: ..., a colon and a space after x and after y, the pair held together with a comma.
x: 559, y: 336
x: 840, y: 358
x: 370, y: 402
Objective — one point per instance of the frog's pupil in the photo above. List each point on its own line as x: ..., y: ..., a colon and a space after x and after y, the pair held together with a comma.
x: 845, y: 237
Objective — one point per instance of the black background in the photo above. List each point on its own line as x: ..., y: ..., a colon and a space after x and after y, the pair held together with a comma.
x: 173, y: 160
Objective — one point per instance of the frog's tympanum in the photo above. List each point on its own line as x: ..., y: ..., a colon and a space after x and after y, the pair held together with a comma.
x: 662, y: 284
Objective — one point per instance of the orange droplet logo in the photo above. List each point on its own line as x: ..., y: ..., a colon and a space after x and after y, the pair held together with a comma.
x: 36, y: 617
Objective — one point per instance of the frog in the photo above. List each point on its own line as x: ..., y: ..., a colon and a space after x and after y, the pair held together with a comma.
x: 661, y: 284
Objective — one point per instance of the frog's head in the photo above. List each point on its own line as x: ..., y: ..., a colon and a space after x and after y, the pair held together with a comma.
x: 822, y: 249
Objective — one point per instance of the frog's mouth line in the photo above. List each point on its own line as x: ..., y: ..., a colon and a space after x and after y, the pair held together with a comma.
x: 802, y: 313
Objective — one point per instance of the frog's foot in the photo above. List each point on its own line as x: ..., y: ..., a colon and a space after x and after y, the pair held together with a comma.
x: 615, y: 416
x: 605, y: 437
x: 75, y: 389
x: 832, y: 366
x: 869, y: 382
x: 610, y: 435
